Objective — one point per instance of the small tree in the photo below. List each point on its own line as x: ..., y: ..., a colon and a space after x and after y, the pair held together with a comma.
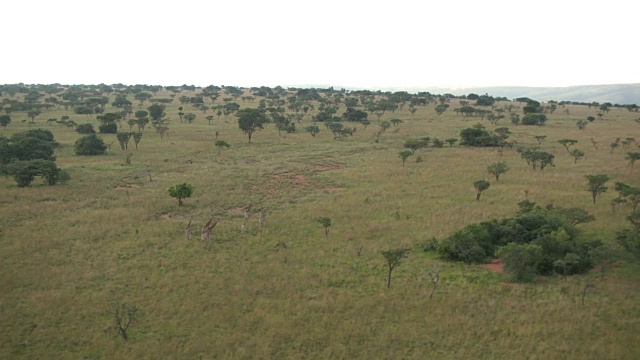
x: 577, y: 155
x: 124, y: 316
x: 404, y: 155
x: 221, y: 144
x: 251, y: 120
x: 632, y: 157
x: 181, y: 191
x: 596, y: 185
x: 567, y: 143
x: 480, y: 185
x: 581, y: 124
x: 313, y: 130
x: 497, y: 169
x: 123, y: 139
x: 136, y: 138
x: 394, y: 258
x: 326, y: 222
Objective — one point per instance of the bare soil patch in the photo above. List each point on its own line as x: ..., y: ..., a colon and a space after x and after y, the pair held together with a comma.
x: 495, y: 266
x: 127, y: 186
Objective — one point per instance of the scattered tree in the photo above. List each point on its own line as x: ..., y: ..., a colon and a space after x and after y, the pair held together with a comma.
x: 313, y: 130
x: 480, y: 185
x: 221, y: 144
x: 394, y: 258
x: 497, y: 169
x: 251, y: 120
x: 596, y: 185
x: 404, y: 155
x: 326, y: 223
x: 124, y: 315
x: 577, y: 155
x: 567, y: 143
x: 181, y: 191
x: 632, y: 157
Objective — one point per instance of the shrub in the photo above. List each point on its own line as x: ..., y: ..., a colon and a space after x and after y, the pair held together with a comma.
x: 90, y: 145
x: 85, y: 129
x: 108, y: 128
x: 534, y: 119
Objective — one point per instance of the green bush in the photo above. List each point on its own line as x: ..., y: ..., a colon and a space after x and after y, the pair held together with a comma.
x: 90, y: 145
x: 108, y: 128
x: 549, y: 230
x: 85, y: 129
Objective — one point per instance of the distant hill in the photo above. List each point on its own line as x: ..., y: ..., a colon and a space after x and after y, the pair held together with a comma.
x: 615, y: 93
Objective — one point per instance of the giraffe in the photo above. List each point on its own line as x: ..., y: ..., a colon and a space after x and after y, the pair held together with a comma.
x: 206, y: 231
x: 263, y: 217
x: 187, y: 230
x: 247, y: 214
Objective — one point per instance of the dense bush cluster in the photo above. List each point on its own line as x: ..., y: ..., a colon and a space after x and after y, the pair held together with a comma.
x: 29, y: 154
x: 536, y: 241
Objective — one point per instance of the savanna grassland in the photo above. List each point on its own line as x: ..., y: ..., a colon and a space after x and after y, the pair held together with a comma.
x: 110, y: 235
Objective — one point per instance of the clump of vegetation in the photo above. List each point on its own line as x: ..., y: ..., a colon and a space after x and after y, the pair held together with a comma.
x: 530, y: 243
x: 29, y: 154
x: 90, y: 145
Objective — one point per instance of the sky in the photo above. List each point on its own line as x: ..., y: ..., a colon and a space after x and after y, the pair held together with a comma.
x: 347, y: 43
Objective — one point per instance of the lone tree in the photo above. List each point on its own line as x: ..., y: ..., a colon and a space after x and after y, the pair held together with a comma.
x: 577, y: 155
x: 404, y: 155
x: 497, y: 169
x: 326, y: 222
x: 250, y: 120
x: 221, y: 144
x: 567, y: 143
x: 632, y: 157
x: 480, y: 185
x: 596, y: 185
x: 181, y: 191
x: 394, y: 257
x: 124, y: 316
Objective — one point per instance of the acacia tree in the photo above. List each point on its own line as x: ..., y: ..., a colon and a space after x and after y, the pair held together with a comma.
x: 632, y: 157
x: 394, y: 257
x: 251, y: 120
x: 404, y: 155
x: 181, y: 191
x: 497, y: 169
x: 480, y: 185
x: 567, y: 143
x: 577, y: 155
x: 326, y: 223
x: 313, y: 130
x: 596, y: 185
x: 221, y: 144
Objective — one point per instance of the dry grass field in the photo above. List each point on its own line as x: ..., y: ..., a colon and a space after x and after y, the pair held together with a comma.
x: 69, y: 251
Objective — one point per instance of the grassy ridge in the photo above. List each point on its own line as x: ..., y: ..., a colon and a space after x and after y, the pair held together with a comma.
x: 111, y: 234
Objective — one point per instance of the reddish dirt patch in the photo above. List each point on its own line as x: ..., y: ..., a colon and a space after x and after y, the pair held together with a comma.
x: 495, y: 266
x: 127, y: 186
x: 165, y: 216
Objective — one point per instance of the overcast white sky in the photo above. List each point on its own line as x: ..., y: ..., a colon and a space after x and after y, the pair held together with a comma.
x: 354, y: 43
